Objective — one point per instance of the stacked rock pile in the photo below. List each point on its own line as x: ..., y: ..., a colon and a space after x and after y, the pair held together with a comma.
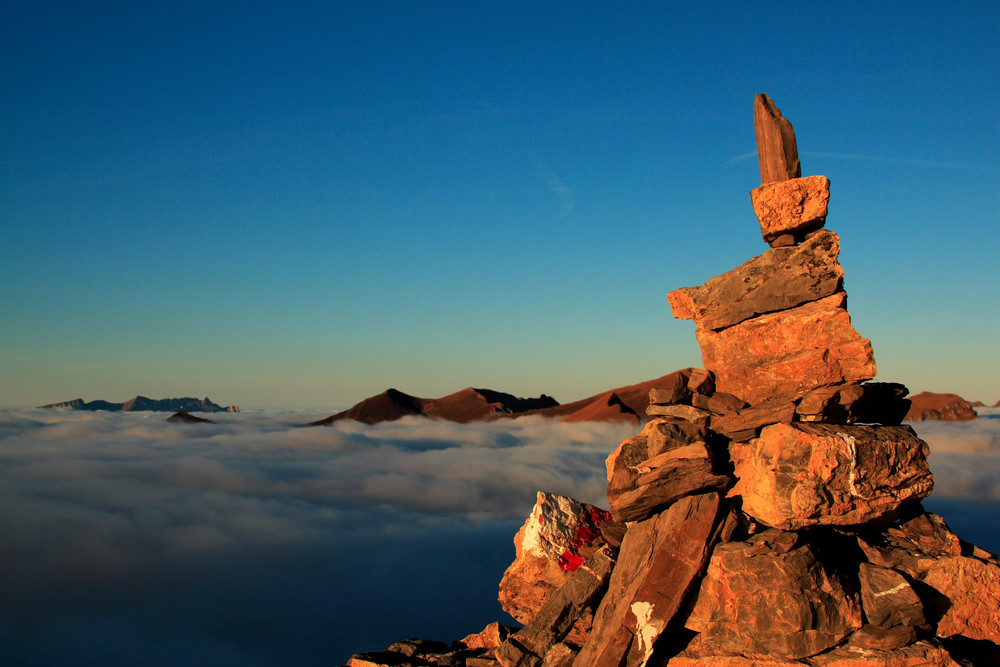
x: 769, y: 512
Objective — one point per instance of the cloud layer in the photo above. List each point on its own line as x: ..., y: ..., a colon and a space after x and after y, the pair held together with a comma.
x: 126, y: 539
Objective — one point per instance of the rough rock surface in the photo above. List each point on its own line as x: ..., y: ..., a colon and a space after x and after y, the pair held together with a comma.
x: 971, y: 588
x: 553, y: 622
x: 771, y: 596
x: 660, y: 558
x: 793, y: 207
x: 798, y: 475
x: 557, y: 537
x: 920, y: 654
x: 779, y: 279
x: 788, y: 353
x: 943, y: 407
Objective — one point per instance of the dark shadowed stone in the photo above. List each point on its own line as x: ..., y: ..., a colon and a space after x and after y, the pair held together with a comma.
x: 613, y: 532
x: 959, y: 582
x: 675, y: 394
x: 686, y: 412
x: 798, y: 475
x: 719, y: 403
x: 887, y: 597
x: 657, y: 566
x: 778, y: 279
x: 772, y: 597
x: 701, y: 382
x: 868, y: 403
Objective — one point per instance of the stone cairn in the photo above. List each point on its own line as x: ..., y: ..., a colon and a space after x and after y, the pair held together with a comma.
x: 769, y: 512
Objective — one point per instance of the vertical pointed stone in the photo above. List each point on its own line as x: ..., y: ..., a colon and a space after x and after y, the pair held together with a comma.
x: 776, y: 150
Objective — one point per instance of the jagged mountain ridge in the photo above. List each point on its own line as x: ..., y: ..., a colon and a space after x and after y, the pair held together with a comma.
x: 140, y: 403
x: 471, y: 404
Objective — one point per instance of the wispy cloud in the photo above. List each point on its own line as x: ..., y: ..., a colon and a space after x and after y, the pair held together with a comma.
x: 252, y: 540
x: 741, y: 158
x: 562, y: 192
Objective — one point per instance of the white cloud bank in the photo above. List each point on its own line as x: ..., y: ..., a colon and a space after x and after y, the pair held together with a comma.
x: 125, y: 539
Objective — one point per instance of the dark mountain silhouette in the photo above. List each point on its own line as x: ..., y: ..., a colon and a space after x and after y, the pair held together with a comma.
x: 183, y: 417
x: 623, y: 403
x: 468, y: 404
x: 142, y: 403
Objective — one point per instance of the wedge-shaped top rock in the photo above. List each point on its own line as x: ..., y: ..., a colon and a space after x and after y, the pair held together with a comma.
x: 778, y: 279
x: 795, y: 207
x: 788, y: 353
x: 773, y: 598
x: 798, y: 475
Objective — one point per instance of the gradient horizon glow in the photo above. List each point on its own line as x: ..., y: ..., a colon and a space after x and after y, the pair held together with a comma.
x: 301, y: 206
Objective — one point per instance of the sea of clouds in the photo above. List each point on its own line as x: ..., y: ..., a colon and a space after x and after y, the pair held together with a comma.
x: 125, y: 539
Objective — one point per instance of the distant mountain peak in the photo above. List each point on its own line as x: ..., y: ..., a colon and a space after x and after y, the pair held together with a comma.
x: 140, y: 403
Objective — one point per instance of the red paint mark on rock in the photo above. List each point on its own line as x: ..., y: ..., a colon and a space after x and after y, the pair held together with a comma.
x: 587, y: 532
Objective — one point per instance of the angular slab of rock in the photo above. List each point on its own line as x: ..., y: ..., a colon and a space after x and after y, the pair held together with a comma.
x: 747, y: 422
x: 556, y: 536
x: 798, y: 475
x: 662, y: 481
x: 789, y: 353
x: 778, y: 279
x: 771, y: 597
x: 915, y: 545
x: 658, y: 563
x: 668, y: 460
x: 894, y: 611
x: 657, y: 437
x: 529, y: 646
x: 791, y: 207
x: 971, y: 590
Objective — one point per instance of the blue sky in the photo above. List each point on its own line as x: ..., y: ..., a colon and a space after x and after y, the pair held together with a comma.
x: 300, y: 206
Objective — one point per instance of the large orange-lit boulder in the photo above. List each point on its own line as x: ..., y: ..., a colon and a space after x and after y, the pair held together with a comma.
x: 806, y: 474
x: 788, y: 353
x: 772, y: 597
x: 794, y: 206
